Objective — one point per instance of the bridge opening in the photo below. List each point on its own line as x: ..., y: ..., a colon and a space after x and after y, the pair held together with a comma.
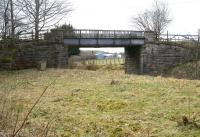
x: 130, y: 41
x: 103, y: 56
x: 133, y: 60
x: 127, y: 58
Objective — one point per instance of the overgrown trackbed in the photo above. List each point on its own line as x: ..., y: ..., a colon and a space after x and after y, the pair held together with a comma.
x: 102, y: 103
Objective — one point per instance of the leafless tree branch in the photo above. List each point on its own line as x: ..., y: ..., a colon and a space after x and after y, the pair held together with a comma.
x: 156, y: 19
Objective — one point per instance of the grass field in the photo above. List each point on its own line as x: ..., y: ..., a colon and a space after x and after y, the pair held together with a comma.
x: 101, y: 103
x: 190, y: 70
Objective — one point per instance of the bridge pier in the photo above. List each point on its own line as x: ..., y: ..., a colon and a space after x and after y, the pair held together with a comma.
x: 61, y: 56
x: 133, y: 60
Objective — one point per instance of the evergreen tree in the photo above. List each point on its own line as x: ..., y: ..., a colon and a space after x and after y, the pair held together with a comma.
x: 71, y: 50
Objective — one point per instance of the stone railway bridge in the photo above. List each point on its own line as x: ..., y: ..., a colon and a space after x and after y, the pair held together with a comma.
x: 142, y: 55
x: 132, y: 41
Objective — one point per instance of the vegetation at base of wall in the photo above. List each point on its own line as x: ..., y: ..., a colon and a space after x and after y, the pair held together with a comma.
x: 73, y: 51
x: 101, y: 103
x: 8, y: 55
x: 190, y: 70
x: 6, y: 60
x: 94, y: 67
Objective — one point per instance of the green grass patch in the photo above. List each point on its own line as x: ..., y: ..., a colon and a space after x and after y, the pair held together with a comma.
x: 6, y: 60
x: 86, y: 103
x: 190, y: 70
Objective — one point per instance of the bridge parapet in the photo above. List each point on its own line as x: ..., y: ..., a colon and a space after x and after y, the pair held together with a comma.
x: 109, y: 38
x: 114, y: 34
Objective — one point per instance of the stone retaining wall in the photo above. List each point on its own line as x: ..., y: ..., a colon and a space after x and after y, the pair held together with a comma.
x: 149, y: 59
x: 156, y: 58
x: 28, y: 55
x: 159, y: 58
x: 6, y: 59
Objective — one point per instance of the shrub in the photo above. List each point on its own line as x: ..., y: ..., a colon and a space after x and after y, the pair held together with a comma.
x: 6, y: 60
x: 92, y: 67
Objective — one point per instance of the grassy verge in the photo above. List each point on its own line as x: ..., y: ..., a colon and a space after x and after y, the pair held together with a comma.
x: 101, y: 103
x: 189, y: 70
x: 103, y: 64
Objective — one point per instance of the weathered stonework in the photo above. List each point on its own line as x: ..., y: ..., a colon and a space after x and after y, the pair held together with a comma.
x: 28, y: 55
x: 6, y: 59
x: 159, y: 58
x: 155, y: 58
x: 132, y: 59
x: 139, y: 59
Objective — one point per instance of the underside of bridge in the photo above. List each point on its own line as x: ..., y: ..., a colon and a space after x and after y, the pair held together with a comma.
x: 132, y: 41
x: 133, y: 60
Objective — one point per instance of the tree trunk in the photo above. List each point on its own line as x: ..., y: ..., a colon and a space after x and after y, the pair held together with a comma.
x: 12, y: 20
x: 12, y: 24
x: 37, y: 7
x: 6, y: 18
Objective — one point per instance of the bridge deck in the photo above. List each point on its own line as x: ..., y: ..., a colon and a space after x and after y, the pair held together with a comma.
x: 103, y: 38
x: 102, y: 34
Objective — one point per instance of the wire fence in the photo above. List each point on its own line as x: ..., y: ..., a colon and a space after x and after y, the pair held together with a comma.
x: 31, y: 35
x: 106, y: 34
x: 106, y: 61
x: 177, y: 37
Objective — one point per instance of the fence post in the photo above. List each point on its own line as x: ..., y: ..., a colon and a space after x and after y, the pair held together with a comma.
x: 32, y: 34
x: 93, y: 62
x: 167, y: 36
x: 197, y: 55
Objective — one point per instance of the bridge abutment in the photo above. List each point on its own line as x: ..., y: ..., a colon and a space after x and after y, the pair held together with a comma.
x: 133, y: 60
x: 142, y: 54
x: 159, y: 58
x: 155, y: 58
x: 29, y: 55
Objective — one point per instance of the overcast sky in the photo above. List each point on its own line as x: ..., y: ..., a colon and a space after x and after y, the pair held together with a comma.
x: 117, y: 14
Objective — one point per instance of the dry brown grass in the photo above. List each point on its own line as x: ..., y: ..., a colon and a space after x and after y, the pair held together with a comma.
x: 85, y: 103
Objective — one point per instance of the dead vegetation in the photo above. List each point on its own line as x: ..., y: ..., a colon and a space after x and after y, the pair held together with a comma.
x: 190, y: 70
x: 12, y: 121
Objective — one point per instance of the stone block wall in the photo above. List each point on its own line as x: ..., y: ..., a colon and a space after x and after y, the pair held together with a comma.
x: 28, y: 55
x: 24, y: 56
x: 132, y: 59
x: 6, y: 59
x: 149, y: 58
x: 157, y: 59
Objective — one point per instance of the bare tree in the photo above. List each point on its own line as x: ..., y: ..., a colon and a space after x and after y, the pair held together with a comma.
x: 41, y: 14
x: 4, y: 18
x: 156, y: 19
x: 11, y: 19
x: 19, y: 22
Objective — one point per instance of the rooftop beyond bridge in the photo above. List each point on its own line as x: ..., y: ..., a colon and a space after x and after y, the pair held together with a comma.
x: 103, y: 38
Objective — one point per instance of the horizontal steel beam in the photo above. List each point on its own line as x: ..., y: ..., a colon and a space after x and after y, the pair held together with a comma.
x: 68, y: 34
x: 103, y: 42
